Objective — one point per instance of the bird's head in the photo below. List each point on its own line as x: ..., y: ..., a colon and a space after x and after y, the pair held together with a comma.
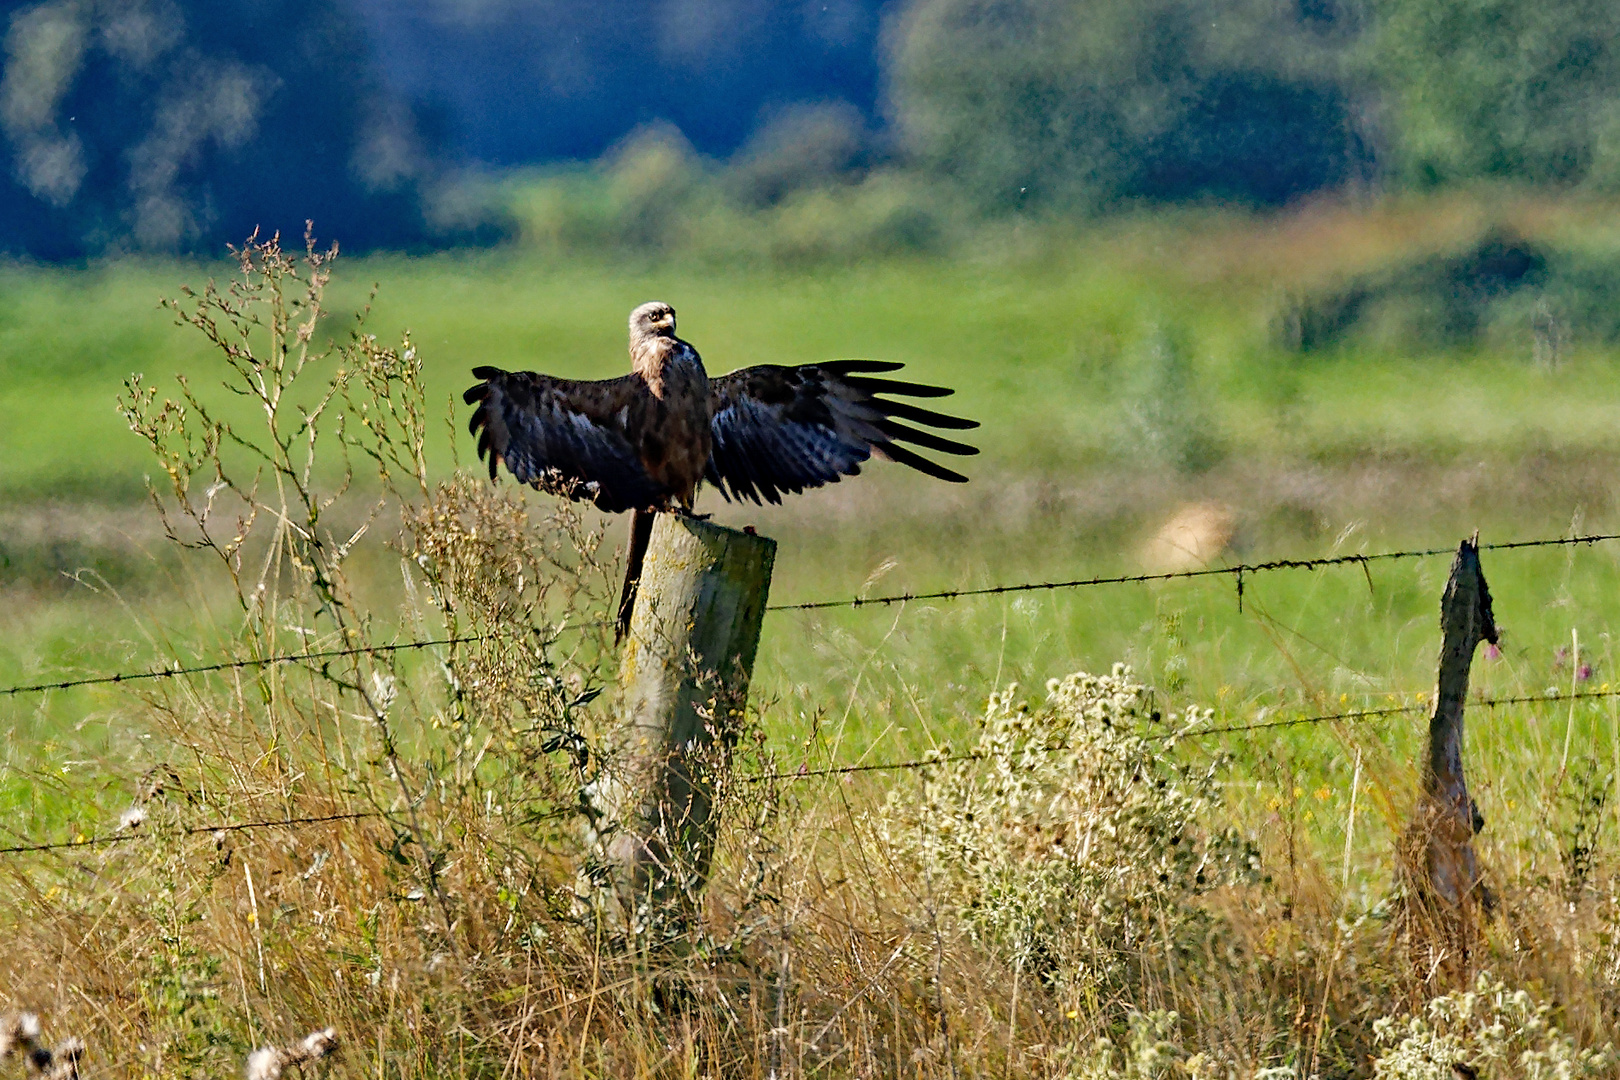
x: 654, y: 319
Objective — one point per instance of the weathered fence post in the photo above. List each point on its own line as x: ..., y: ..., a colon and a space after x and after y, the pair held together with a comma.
x: 1443, y: 879
x: 684, y: 674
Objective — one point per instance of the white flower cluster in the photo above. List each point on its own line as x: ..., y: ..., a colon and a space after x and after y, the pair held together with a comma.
x: 1071, y: 830
x: 1489, y: 1030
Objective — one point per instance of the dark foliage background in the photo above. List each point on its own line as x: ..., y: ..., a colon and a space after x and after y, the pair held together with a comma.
x: 166, y: 124
x: 178, y: 124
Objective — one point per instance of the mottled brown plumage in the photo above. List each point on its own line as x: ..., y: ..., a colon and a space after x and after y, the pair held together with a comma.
x: 644, y: 441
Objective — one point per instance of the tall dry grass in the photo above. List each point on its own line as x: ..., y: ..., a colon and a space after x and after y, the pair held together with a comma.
x: 1091, y: 894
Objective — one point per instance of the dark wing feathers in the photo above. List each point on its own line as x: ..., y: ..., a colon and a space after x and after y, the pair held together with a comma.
x: 564, y: 435
x: 851, y: 367
x: 779, y: 430
x: 924, y: 439
x: 901, y: 456
x: 927, y: 416
x: 894, y: 386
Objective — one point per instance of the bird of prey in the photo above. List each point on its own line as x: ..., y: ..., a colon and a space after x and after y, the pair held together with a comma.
x: 644, y: 441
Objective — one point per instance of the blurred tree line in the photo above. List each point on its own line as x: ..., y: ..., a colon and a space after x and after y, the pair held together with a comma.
x: 1084, y: 103
x: 175, y: 124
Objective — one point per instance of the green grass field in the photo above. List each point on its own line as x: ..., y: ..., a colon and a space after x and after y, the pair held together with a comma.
x: 1050, y: 344
x: 1121, y: 375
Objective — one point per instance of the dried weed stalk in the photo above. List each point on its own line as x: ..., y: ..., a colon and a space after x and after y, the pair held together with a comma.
x: 439, y: 874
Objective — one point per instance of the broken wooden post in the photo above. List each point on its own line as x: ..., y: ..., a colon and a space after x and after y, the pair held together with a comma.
x: 684, y: 675
x: 1444, y: 888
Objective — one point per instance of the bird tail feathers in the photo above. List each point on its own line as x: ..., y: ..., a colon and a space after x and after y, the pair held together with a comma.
x: 641, y: 525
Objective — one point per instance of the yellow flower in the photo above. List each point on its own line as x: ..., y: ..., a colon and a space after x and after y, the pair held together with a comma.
x: 1323, y: 793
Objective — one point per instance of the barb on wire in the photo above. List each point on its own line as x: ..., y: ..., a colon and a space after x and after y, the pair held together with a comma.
x: 1352, y: 716
x: 1238, y: 572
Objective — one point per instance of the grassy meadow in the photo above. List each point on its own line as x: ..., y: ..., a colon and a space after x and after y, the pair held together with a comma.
x: 1130, y: 375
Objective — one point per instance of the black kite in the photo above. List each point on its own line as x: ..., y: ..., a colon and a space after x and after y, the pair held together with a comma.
x: 645, y: 441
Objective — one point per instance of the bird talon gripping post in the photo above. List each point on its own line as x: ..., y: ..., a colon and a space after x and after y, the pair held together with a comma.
x: 645, y: 441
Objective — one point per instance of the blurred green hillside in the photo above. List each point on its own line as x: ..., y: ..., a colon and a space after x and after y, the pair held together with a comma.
x: 1342, y: 376
x: 1425, y: 328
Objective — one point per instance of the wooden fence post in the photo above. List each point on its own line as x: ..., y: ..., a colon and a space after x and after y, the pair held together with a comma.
x: 684, y: 675
x: 1443, y: 878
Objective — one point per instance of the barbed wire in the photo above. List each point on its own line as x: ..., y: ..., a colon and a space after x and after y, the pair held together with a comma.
x: 1238, y: 572
x: 232, y: 665
x: 1351, y: 716
x: 240, y: 826
x: 944, y: 758
x: 193, y: 830
x: 268, y: 661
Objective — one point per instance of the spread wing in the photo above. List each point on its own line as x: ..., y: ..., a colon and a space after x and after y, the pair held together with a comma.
x: 784, y: 429
x: 572, y: 437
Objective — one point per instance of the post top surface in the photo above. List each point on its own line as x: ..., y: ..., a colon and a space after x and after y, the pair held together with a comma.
x: 713, y: 533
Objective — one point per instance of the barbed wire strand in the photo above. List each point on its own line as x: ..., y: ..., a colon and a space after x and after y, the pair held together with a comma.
x: 818, y: 605
x: 280, y: 658
x: 1352, y: 716
x: 233, y: 665
x: 1238, y: 571
x: 241, y: 826
x: 1355, y: 715
x: 193, y: 830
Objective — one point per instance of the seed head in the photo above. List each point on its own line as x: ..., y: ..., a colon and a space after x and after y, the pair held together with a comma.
x: 18, y: 1033
x: 267, y: 1063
